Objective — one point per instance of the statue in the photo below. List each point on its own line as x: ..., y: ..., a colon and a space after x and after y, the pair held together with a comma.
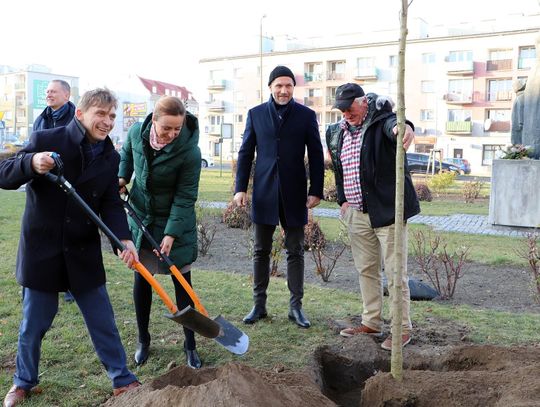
x: 517, y: 112
x: 531, y: 108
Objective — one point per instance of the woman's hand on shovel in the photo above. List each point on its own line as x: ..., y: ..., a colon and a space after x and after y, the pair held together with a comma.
x: 129, y: 254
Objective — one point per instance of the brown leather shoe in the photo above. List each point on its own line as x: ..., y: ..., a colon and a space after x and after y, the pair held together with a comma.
x: 123, y: 389
x: 359, y: 330
x: 15, y: 396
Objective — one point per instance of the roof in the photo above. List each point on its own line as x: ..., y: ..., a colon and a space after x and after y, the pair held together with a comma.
x: 164, y: 88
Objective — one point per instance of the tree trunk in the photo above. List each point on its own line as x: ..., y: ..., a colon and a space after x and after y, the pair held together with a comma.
x: 396, y: 364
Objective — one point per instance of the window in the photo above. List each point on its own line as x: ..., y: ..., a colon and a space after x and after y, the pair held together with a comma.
x: 393, y: 61
x: 460, y: 90
x: 488, y: 152
x: 313, y: 71
x: 500, y: 54
x: 154, y: 89
x: 499, y: 120
x: 364, y: 63
x: 527, y: 56
x: 215, y: 120
x: 239, y: 118
x: 459, y: 56
x: 459, y: 115
x: 428, y: 86
x: 336, y: 70
x: 426, y: 115
x: 330, y: 95
x: 333, y: 117
x: 499, y: 90
x: 428, y: 58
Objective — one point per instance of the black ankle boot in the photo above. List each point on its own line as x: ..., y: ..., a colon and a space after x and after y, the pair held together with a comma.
x: 255, y: 314
x: 142, y: 352
x: 192, y: 359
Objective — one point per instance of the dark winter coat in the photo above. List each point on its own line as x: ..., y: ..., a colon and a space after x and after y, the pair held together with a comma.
x: 45, y: 120
x: 279, y: 168
x: 165, y: 187
x: 60, y: 247
x: 377, y: 165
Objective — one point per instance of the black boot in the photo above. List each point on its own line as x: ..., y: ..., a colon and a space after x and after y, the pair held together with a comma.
x: 142, y: 352
x: 255, y: 314
x: 192, y: 359
x: 297, y: 315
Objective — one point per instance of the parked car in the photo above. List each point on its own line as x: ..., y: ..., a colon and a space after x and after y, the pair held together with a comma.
x: 207, y: 160
x: 463, y: 164
x: 418, y: 163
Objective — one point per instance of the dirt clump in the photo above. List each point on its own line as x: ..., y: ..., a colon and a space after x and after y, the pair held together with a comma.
x: 232, y: 384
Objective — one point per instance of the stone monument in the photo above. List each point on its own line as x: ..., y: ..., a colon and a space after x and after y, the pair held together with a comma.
x: 531, y: 108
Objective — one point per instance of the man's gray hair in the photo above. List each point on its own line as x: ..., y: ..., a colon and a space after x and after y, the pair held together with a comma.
x: 64, y: 84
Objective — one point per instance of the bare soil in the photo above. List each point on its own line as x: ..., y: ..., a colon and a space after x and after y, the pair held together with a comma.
x: 442, y: 368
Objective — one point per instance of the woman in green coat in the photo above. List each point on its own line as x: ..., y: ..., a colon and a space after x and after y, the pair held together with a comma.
x: 163, y: 153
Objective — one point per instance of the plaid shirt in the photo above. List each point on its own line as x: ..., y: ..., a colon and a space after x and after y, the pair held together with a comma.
x: 350, y: 161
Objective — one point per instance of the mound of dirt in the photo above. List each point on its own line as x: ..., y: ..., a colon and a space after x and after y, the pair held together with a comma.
x: 230, y: 385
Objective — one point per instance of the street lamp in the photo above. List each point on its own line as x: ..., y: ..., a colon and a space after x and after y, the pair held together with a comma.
x: 260, y: 56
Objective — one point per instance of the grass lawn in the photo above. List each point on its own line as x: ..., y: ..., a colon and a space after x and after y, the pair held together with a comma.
x: 71, y: 375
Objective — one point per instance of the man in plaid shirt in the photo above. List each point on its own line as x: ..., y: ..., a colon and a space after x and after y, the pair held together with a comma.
x: 363, y: 151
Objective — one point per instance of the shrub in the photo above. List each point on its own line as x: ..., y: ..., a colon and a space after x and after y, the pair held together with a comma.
x: 471, y: 190
x: 206, y: 230
x: 531, y: 253
x: 423, y: 192
x: 237, y: 216
x: 313, y: 234
x: 6, y: 154
x: 330, y: 191
x: 440, y: 182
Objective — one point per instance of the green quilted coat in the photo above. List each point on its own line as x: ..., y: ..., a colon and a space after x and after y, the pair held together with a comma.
x: 164, y: 187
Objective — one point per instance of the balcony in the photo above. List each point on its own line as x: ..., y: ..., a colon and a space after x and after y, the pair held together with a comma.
x: 314, y: 101
x: 313, y: 77
x: 459, y: 127
x: 502, y: 96
x: 499, y: 65
x: 215, y: 106
x: 460, y: 68
x: 335, y: 76
x: 213, y: 130
x: 217, y: 84
x: 366, y: 74
x: 458, y: 98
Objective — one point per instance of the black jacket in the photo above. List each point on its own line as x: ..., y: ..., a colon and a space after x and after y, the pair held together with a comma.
x: 377, y: 165
x: 60, y: 247
x: 45, y: 120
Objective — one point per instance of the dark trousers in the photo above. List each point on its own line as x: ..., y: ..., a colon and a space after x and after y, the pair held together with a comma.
x: 39, y: 310
x: 294, y: 245
x: 142, y: 296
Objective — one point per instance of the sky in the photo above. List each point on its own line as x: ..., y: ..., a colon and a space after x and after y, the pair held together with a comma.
x: 99, y: 40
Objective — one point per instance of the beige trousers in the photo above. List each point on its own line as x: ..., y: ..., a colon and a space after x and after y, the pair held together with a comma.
x: 368, y: 246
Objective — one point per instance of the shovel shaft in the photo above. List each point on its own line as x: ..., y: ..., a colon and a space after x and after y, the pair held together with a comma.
x: 188, y: 289
x: 156, y: 286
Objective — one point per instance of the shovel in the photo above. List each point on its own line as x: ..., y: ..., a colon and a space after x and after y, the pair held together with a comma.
x: 188, y: 317
x: 229, y: 336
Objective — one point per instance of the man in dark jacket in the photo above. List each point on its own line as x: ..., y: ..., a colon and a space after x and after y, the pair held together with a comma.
x: 60, y: 247
x: 279, y: 131
x: 59, y: 110
x: 363, y: 151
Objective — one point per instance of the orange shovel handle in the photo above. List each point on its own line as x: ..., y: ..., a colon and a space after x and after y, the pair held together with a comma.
x: 156, y: 286
x: 198, y: 306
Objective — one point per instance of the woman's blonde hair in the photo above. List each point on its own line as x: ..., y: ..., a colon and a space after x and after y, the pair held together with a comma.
x: 168, y: 106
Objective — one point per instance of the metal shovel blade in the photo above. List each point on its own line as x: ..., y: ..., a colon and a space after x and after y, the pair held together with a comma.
x: 197, y: 322
x: 230, y: 337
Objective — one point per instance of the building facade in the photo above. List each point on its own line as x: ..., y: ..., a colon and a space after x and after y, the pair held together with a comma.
x: 458, y: 86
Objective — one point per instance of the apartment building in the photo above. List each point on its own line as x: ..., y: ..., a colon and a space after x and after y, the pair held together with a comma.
x: 458, y: 87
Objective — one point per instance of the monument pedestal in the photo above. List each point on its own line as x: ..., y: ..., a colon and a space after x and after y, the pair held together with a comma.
x: 515, y: 193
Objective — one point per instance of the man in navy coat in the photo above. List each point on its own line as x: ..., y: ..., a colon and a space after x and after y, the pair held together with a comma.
x: 279, y: 132
x: 60, y: 247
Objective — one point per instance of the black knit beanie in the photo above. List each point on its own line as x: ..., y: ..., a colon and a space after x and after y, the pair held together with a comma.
x: 278, y: 71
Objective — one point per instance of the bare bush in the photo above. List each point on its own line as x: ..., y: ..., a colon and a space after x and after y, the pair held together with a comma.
x: 330, y: 190
x: 471, y: 190
x: 237, y: 216
x: 423, y: 192
x: 442, y: 268
x: 206, y: 230
x: 531, y: 254
x: 325, y: 258
x: 278, y: 243
x: 313, y: 234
